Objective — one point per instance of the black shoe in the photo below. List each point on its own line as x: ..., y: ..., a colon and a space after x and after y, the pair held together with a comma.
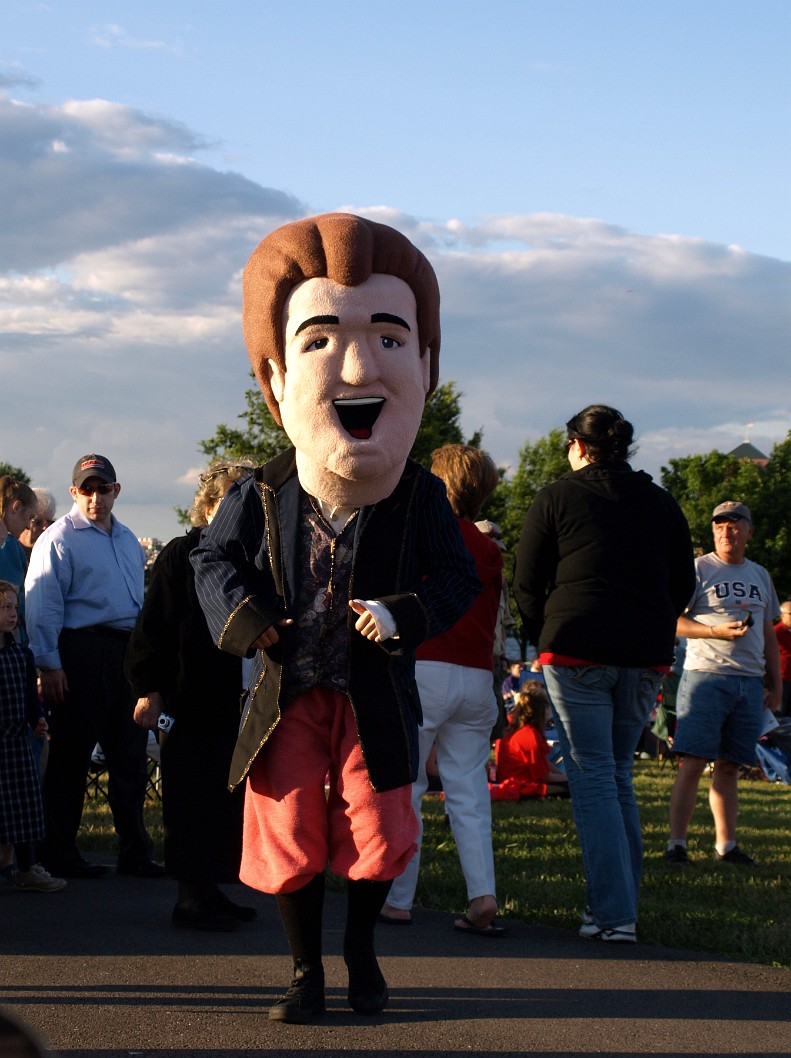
x: 203, y: 917
x: 75, y: 868
x: 735, y: 855
x: 367, y: 987
x: 143, y: 869
x: 224, y: 904
x: 304, y: 999
x: 678, y: 854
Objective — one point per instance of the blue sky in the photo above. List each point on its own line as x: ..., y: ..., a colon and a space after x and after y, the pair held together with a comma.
x: 602, y: 187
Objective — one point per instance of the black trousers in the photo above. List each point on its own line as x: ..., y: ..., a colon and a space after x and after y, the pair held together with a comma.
x: 97, y: 708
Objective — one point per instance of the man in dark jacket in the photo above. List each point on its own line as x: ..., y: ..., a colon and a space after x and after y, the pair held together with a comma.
x: 331, y: 565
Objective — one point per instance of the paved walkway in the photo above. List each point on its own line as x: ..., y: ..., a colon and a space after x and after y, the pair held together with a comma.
x: 98, y: 972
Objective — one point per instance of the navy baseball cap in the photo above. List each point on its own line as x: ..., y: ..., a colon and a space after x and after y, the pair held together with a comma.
x: 92, y: 466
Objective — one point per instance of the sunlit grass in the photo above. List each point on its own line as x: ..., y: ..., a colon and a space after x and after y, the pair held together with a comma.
x: 710, y: 907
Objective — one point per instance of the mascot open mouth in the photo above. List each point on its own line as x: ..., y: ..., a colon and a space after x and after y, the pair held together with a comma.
x: 358, y: 415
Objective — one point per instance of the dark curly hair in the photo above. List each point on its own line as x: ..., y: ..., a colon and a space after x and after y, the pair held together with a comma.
x: 604, y: 432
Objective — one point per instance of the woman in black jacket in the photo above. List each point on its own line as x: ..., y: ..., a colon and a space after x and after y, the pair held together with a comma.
x: 603, y: 569
x: 175, y: 670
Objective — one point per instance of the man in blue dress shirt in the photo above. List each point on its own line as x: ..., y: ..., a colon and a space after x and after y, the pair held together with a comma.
x: 84, y: 590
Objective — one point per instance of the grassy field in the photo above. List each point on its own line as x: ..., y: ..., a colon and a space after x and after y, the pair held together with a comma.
x: 710, y: 907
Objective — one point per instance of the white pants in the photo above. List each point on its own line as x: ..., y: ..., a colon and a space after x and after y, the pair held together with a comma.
x: 459, y: 712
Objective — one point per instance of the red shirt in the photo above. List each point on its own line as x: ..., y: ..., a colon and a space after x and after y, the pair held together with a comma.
x: 470, y: 642
x: 783, y: 634
x: 522, y: 755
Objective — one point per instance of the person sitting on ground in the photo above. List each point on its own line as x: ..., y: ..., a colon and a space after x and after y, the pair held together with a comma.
x: 512, y: 683
x: 522, y: 754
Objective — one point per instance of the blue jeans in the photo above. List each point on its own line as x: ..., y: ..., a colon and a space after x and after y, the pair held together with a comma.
x: 719, y: 717
x: 600, y: 711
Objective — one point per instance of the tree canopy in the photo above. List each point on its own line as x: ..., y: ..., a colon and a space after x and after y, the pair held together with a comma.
x: 540, y: 463
x: 699, y: 483
x: 260, y: 439
x: 14, y: 472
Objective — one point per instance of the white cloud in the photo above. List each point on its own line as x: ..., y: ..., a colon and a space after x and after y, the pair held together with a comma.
x: 120, y: 310
x: 113, y: 35
x: 92, y: 174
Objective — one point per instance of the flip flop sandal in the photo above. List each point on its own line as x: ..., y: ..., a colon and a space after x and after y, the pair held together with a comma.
x: 464, y: 925
x: 390, y: 921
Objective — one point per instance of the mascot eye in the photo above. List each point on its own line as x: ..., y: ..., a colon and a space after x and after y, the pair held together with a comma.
x: 390, y: 343
x: 320, y: 343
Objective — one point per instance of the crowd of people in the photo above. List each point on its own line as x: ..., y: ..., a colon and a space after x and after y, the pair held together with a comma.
x: 359, y: 611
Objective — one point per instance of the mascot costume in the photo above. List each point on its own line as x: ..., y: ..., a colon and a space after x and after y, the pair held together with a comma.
x: 328, y: 566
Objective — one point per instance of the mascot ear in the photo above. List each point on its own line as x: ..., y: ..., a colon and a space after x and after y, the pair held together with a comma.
x: 425, y: 367
x: 277, y: 379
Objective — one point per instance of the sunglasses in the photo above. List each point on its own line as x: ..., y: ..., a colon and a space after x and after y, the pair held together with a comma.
x: 103, y: 490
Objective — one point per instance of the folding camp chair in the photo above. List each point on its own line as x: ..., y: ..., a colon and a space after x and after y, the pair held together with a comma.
x: 664, y: 725
x: 96, y: 780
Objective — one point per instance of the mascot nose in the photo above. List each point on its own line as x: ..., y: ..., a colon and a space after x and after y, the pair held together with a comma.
x: 359, y: 363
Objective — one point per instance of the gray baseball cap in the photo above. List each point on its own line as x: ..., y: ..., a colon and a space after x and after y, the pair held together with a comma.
x: 731, y: 511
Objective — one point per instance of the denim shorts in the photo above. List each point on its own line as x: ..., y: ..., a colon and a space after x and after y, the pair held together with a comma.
x: 719, y: 717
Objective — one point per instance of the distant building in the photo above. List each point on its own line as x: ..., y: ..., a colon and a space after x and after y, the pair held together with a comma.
x: 749, y: 451
x: 152, y: 547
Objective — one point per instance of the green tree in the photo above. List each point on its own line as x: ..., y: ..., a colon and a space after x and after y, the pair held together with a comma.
x: 440, y: 424
x: 773, y: 526
x: 700, y: 482
x: 14, y: 472
x: 540, y: 463
x: 261, y: 439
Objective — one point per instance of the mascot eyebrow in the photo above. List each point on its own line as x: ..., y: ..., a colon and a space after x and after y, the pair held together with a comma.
x: 377, y: 317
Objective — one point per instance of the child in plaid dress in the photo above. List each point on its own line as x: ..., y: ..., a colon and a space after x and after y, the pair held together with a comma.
x: 21, y: 812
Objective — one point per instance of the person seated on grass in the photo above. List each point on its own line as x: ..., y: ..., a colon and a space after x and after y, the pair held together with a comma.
x: 522, y: 754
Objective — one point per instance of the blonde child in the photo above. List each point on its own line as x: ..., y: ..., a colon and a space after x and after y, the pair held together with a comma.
x: 21, y: 812
x: 522, y: 754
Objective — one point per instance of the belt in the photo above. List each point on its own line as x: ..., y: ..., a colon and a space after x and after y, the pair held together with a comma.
x: 101, y: 630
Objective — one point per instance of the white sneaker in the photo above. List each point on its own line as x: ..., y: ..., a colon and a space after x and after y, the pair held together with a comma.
x: 38, y: 880
x: 590, y: 931
x: 619, y: 935
x: 588, y: 928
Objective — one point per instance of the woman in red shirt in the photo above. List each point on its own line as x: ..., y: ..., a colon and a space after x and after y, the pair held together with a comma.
x: 455, y: 679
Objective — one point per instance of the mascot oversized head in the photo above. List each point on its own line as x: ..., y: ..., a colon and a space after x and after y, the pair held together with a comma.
x: 341, y: 322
